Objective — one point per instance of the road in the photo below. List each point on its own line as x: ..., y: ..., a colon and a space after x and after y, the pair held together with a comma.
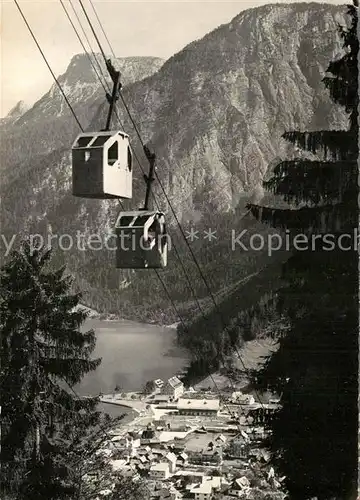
x: 134, y: 404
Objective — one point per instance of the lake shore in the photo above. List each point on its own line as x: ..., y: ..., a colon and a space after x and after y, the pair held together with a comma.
x: 116, y: 411
x: 93, y: 314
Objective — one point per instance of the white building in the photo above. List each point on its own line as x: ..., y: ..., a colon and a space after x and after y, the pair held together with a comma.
x: 160, y: 399
x: 183, y: 458
x: 202, y: 491
x: 158, y: 383
x: 171, y: 460
x: 160, y: 471
x: 221, y: 439
x: 127, y: 443
x: 205, y: 407
x: 243, y: 399
x: 173, y: 388
x: 118, y: 464
x: 239, y: 486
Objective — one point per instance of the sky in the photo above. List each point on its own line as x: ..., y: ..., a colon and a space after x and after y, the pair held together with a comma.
x: 134, y: 28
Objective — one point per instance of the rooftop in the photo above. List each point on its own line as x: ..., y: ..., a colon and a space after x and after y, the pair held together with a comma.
x: 163, y: 467
x: 202, y: 488
x: 198, y: 404
x: 158, y: 382
x: 214, y: 481
x: 175, y: 382
x: 171, y: 456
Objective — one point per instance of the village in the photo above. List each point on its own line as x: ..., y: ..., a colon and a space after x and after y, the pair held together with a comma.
x: 193, y: 444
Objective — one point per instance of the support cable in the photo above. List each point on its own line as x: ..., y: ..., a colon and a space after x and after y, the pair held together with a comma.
x: 83, y: 46
x: 101, y: 27
x: 88, y: 41
x: 141, y: 141
x: 93, y: 31
x: 162, y: 282
x: 74, y: 114
x: 171, y: 207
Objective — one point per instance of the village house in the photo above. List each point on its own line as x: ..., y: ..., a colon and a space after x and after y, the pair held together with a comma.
x: 128, y: 443
x: 211, y: 457
x: 144, y: 450
x: 171, y: 460
x: 178, y: 446
x: 243, y: 399
x: 204, y: 407
x: 118, y: 464
x: 160, y: 471
x: 202, y: 491
x: 148, y: 433
x: 151, y: 457
x: 183, y: 459
x: 173, y: 388
x: 221, y: 439
x: 160, y: 399
x: 158, y: 383
x: 150, y: 442
x: 177, y: 427
x: 239, y: 486
x: 167, y: 494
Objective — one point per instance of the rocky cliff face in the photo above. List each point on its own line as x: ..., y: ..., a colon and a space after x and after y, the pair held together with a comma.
x: 14, y: 114
x: 214, y: 113
x: 83, y: 89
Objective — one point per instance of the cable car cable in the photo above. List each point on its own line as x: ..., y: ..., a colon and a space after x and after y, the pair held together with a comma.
x: 82, y: 43
x: 135, y: 127
x: 92, y: 29
x: 101, y: 27
x: 88, y: 42
x: 157, y: 177
x: 194, y: 257
x: 176, y: 251
x: 160, y: 279
x: 136, y: 157
x: 172, y: 209
x: 48, y: 65
x: 100, y: 47
x: 210, y: 375
x: 167, y: 198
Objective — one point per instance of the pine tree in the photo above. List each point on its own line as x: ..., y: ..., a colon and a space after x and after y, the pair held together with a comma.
x: 48, y: 433
x: 314, y: 435
x: 127, y: 488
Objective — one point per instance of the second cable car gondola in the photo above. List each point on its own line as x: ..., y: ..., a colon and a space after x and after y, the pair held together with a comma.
x: 141, y: 240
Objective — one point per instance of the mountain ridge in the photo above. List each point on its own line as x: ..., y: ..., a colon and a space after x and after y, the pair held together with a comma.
x: 49, y: 124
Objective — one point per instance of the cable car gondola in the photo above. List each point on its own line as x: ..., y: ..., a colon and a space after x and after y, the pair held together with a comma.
x: 102, y: 165
x: 141, y: 240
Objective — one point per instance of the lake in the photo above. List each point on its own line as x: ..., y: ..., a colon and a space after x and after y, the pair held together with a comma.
x: 132, y: 353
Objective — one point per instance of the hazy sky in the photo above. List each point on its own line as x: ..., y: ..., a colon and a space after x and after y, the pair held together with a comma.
x: 134, y: 28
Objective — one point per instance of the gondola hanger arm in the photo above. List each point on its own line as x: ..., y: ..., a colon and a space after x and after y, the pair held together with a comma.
x: 117, y: 86
x: 149, y: 178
